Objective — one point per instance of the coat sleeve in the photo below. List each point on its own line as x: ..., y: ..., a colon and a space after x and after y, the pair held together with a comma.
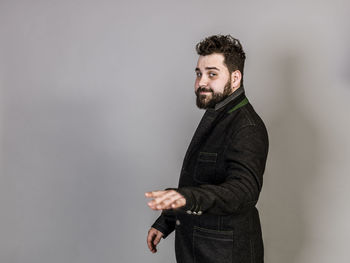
x: 165, y: 223
x: 245, y: 159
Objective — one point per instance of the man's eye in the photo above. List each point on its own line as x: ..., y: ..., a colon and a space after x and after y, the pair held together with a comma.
x: 211, y: 74
x: 198, y: 74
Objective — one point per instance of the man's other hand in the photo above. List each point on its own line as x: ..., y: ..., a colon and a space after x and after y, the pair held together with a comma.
x: 167, y: 199
x: 153, y: 238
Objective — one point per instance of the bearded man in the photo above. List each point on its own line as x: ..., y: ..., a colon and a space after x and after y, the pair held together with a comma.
x: 213, y: 209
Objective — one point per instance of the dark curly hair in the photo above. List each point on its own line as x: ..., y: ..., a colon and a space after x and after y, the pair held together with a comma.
x: 228, y: 46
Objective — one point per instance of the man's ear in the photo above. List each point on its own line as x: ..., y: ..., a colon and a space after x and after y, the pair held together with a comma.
x: 236, y: 77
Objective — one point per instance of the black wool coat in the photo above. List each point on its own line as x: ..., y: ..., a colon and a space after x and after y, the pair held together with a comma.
x: 221, y: 179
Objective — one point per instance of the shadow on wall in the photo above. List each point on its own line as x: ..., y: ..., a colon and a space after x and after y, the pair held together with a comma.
x: 291, y: 169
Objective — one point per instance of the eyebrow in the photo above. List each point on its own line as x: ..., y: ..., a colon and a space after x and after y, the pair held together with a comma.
x: 207, y: 68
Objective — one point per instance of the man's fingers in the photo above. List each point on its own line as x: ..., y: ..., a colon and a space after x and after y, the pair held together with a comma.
x: 151, y: 235
x: 150, y: 240
x: 158, y: 200
x: 154, y: 194
x: 153, y: 238
x: 157, y: 239
x: 164, y: 200
x: 174, y: 202
x: 178, y: 203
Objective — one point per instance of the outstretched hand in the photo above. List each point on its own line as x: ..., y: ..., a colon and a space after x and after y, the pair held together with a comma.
x: 167, y: 199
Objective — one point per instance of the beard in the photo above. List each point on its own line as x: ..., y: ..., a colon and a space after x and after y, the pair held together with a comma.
x: 205, y: 101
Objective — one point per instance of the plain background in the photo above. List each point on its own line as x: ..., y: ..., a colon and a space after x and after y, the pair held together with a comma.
x: 97, y: 107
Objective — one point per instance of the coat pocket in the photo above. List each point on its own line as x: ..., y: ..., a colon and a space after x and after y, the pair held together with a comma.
x: 212, y: 245
x: 205, y: 167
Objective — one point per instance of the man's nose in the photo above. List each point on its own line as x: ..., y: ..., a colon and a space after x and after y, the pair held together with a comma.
x: 203, y: 82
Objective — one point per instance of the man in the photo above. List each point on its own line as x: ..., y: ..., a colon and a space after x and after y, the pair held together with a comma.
x: 213, y: 209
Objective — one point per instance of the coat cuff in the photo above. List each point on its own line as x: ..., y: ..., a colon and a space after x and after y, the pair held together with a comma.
x: 165, y: 223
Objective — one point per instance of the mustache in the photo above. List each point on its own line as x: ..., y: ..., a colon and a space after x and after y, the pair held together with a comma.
x: 204, y: 90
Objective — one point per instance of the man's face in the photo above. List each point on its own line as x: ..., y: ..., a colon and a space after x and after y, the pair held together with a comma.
x: 213, y: 81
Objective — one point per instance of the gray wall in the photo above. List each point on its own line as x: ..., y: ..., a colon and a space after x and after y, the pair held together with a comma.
x: 97, y: 107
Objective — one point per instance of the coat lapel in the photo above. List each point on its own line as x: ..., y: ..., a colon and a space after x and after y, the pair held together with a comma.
x: 209, y: 120
x: 205, y: 125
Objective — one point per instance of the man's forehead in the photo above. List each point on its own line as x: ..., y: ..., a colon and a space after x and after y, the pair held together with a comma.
x: 212, y: 60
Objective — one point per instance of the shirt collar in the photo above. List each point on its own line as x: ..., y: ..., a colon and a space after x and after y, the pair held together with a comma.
x: 234, y: 95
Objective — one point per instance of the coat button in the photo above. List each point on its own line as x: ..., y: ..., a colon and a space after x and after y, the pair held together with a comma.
x: 189, y: 212
x: 178, y: 222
